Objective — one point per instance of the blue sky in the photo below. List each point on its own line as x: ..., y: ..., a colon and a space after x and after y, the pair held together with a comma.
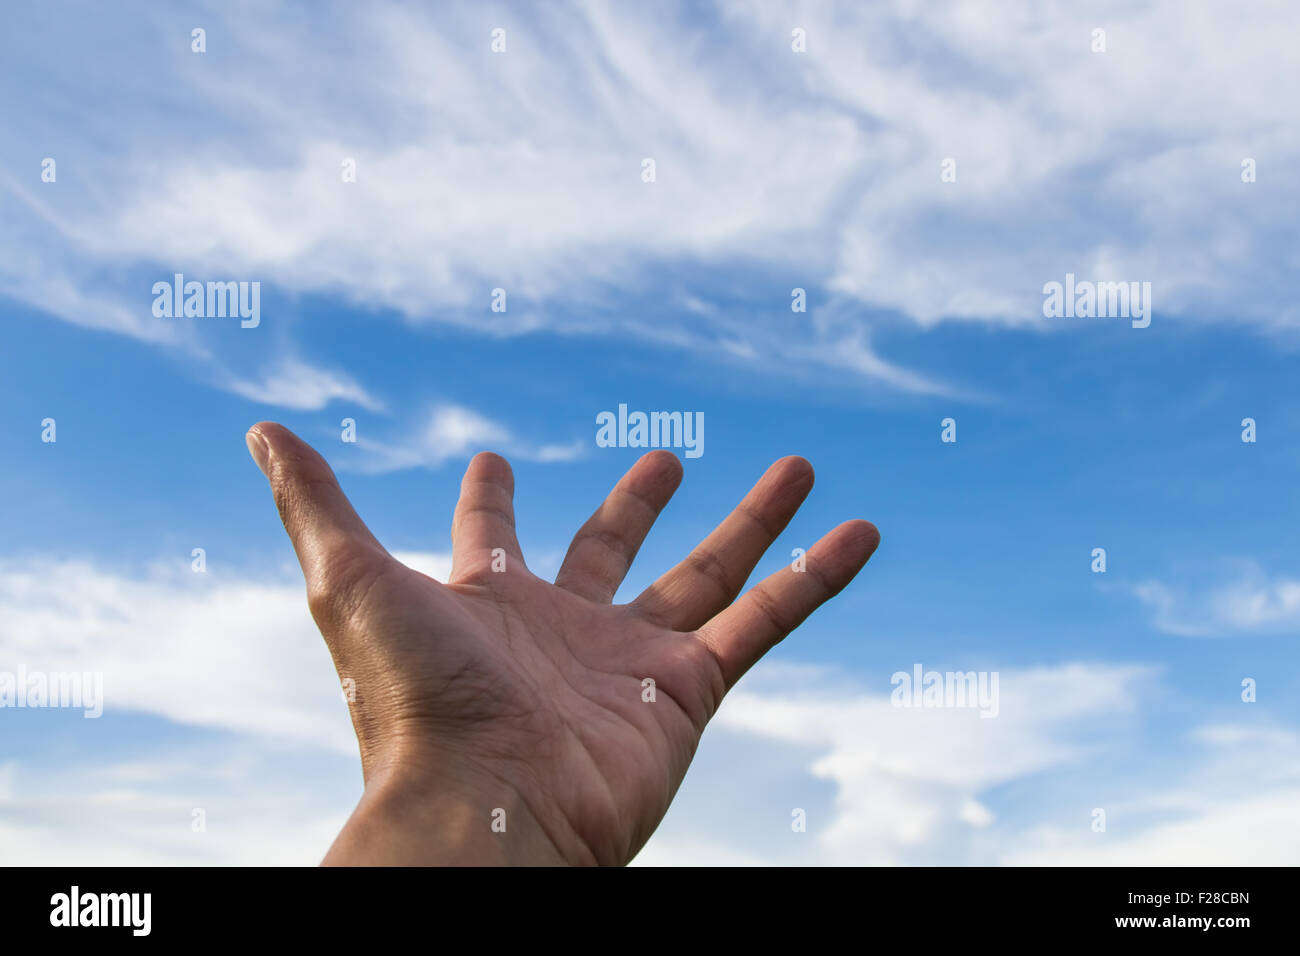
x: 775, y: 170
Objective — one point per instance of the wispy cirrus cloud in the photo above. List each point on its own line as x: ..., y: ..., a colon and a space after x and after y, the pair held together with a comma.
x: 298, y: 385
x: 522, y: 170
x: 450, y: 432
x: 1252, y: 602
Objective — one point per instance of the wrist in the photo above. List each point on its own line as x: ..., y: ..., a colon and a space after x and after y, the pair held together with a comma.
x: 412, y: 817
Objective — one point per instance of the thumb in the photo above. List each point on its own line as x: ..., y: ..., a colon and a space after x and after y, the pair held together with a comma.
x: 333, y: 544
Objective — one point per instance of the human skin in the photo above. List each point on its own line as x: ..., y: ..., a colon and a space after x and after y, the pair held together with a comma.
x: 504, y: 719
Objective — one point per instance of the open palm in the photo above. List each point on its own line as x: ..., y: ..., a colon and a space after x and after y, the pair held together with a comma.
x: 504, y: 718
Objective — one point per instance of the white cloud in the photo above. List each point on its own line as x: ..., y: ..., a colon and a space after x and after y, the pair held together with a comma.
x: 884, y: 785
x: 212, y: 650
x: 42, y: 267
x: 297, y: 385
x: 1248, y: 830
x: 212, y: 653
x: 451, y: 432
x: 1234, y: 807
x: 522, y: 170
x: 879, y: 784
x: 256, y: 810
x: 207, y: 649
x: 1254, y: 603
x: 436, y: 566
x: 907, y: 779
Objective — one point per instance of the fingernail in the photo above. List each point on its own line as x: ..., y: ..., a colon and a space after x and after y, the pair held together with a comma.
x: 259, y: 449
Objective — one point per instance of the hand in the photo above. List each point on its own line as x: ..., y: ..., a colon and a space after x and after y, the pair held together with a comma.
x: 499, y: 699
